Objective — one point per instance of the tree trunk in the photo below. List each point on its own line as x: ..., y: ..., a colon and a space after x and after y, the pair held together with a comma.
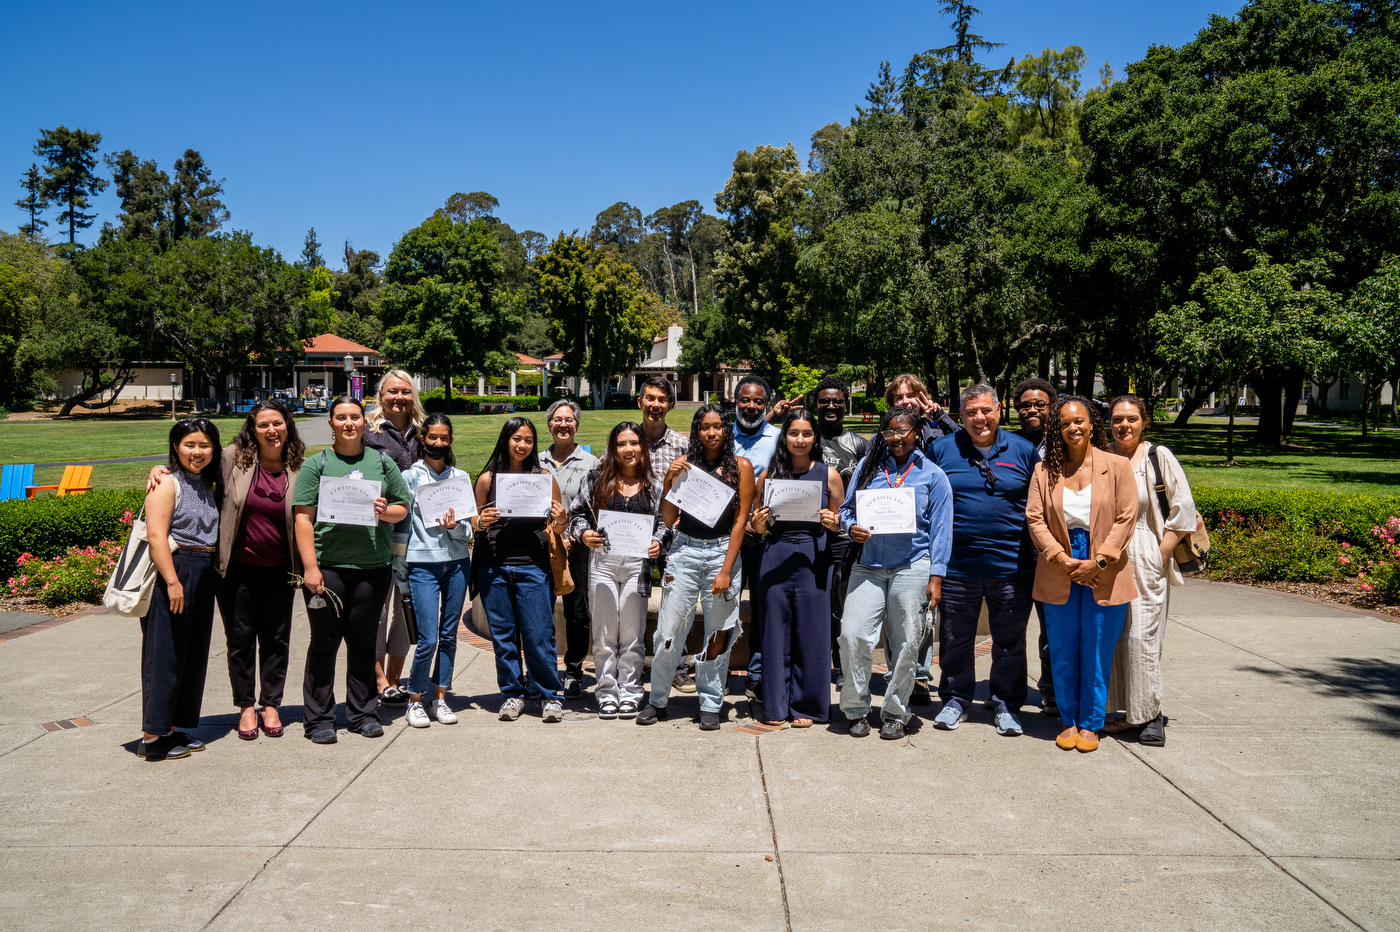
x: 1268, y: 385
x: 876, y: 389
x: 447, y: 392
x: 1190, y: 403
x: 1055, y: 370
x: 1088, y: 362
x: 1069, y: 368
x: 1292, y: 392
x: 1232, y: 397
x: 1042, y: 368
x: 694, y: 282
x: 1365, y: 405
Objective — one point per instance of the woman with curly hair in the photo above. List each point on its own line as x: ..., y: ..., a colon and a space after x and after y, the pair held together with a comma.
x: 1081, y: 510
x: 701, y: 561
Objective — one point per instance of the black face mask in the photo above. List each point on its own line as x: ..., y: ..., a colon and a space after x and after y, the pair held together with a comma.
x: 432, y: 451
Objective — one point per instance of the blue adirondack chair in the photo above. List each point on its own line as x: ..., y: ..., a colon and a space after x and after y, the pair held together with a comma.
x: 13, y: 479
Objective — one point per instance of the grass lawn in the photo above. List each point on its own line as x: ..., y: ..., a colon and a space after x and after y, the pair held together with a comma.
x: 90, y: 439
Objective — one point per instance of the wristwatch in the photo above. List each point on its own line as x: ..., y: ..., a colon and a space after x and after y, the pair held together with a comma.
x: 1101, y: 561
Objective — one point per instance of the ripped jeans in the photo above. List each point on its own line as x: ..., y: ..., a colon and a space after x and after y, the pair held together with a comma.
x: 691, y: 568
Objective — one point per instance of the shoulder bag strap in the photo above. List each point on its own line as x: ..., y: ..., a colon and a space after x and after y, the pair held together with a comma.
x: 1160, y: 488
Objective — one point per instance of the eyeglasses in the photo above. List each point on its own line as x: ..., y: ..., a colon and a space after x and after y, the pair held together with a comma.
x: 264, y: 493
x: 564, y: 421
x: 1037, y: 405
x: 830, y: 403
x: 897, y: 434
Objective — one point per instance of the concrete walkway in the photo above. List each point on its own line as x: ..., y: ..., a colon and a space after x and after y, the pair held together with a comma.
x: 1274, y: 805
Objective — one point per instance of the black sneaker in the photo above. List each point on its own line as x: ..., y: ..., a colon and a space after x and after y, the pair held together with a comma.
x: 891, y: 730
x: 920, y: 696
x: 709, y: 721
x: 840, y: 679
x: 163, y: 748
x: 1048, y: 708
x: 371, y: 729
x: 322, y: 736
x: 393, y: 698
x: 860, y: 727
x: 573, y: 686
x: 184, y: 740
x: 650, y: 715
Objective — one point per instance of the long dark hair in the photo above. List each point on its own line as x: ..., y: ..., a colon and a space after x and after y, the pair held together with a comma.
x: 875, y: 453
x: 500, y: 456
x: 245, y: 444
x: 780, y: 466
x: 610, y: 470
x: 437, y: 417
x: 1055, y: 449
x: 211, y: 473
x: 727, y: 469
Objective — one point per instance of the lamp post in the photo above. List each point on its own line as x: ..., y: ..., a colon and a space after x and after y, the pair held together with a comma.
x: 172, y: 395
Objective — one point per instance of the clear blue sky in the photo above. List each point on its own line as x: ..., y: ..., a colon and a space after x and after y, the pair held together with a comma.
x: 360, y: 119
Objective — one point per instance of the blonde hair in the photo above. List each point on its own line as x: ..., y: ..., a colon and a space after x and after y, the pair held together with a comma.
x: 375, y: 414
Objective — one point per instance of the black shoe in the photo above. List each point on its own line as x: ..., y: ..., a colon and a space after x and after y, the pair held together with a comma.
x: 371, y: 729
x: 840, y: 679
x: 650, y: 715
x: 184, y: 740
x: 709, y: 721
x: 891, y: 730
x: 163, y: 748
x: 860, y: 727
x: 573, y: 686
x: 1154, y: 733
x: 393, y: 698
x: 322, y: 736
x: 754, y: 690
x: 1048, y: 708
x: 920, y: 696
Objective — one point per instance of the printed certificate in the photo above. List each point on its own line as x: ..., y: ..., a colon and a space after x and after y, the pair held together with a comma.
x: 524, y: 495
x: 700, y: 495
x: 628, y: 534
x: 887, y: 511
x: 435, y: 498
x: 793, y: 500
x: 347, y: 501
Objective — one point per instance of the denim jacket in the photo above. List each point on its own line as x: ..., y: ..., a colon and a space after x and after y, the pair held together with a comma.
x: 933, y: 534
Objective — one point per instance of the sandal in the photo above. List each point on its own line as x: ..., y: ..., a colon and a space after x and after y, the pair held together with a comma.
x: 802, y: 723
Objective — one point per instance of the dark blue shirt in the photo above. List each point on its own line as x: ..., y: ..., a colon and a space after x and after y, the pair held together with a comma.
x: 990, y: 538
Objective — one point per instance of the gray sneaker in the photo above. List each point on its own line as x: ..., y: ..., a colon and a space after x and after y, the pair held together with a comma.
x: 683, y: 682
x: 1008, y: 724
x: 553, y: 710
x: 512, y: 708
x: 951, y: 717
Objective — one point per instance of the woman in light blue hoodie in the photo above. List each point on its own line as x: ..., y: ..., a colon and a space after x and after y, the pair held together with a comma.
x: 434, y: 573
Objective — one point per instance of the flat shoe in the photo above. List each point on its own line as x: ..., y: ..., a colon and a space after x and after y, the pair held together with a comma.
x: 859, y: 728
x: 802, y: 723
x: 248, y: 735
x: 1067, y: 741
x: 1116, y: 726
x: 1088, y: 744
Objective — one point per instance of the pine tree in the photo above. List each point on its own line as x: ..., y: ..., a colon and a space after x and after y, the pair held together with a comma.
x: 144, y: 191
x: 195, y: 208
x: 32, y: 203
x: 311, y: 251
x: 70, y: 155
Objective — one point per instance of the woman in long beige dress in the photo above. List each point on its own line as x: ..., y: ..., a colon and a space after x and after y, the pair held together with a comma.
x: 1135, y: 684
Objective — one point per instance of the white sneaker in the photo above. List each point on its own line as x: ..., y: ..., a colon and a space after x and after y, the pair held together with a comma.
x: 443, y: 713
x: 416, y: 716
x: 553, y: 710
x: 511, y: 709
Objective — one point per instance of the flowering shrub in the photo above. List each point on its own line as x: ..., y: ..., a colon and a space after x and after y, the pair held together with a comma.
x: 1266, y: 547
x: 1381, y: 573
x: 80, y: 575
x: 47, y: 527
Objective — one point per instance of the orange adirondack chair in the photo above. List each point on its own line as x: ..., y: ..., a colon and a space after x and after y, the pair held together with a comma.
x: 74, y: 482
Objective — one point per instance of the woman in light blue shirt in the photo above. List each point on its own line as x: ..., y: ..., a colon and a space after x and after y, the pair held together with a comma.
x: 899, y: 577
x: 433, y: 573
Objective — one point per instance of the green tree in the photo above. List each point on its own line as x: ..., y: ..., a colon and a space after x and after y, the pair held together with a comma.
x: 33, y: 204
x: 311, y: 257
x: 441, y: 305
x: 28, y: 270
x: 600, y: 313
x: 464, y: 208
x: 144, y: 191
x: 70, y: 157
x: 1368, y: 336
x: 195, y: 208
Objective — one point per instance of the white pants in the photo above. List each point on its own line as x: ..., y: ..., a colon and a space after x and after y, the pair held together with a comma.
x: 619, y: 616
x: 1135, y: 685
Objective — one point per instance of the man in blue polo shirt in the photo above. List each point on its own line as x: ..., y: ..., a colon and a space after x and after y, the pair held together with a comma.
x: 992, y: 561
x: 755, y: 439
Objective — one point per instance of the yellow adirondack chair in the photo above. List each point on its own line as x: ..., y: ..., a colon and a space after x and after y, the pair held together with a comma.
x: 74, y: 482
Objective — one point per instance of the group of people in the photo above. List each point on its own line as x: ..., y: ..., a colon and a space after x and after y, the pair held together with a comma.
x: 1068, y: 515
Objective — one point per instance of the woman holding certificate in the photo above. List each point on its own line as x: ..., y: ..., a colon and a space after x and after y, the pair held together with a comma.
x: 436, y: 566
x: 1082, y: 507
x: 614, y: 515
x: 900, y: 509
x: 794, y: 581
x: 347, y: 501
x: 708, y: 493
x: 517, y: 503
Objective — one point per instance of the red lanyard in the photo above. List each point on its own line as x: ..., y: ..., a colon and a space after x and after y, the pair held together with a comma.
x: 904, y: 475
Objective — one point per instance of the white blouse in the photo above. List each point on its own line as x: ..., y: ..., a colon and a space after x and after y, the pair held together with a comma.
x: 1077, y: 505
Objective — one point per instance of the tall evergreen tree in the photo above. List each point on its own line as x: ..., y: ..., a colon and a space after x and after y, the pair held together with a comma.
x: 32, y: 203
x: 70, y: 156
x: 195, y: 208
x: 311, y: 251
x: 144, y: 190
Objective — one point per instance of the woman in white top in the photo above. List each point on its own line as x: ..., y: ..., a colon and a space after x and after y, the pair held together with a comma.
x: 1136, y: 683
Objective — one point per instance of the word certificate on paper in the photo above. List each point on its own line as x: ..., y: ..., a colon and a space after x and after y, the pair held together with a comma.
x: 436, y: 498
x: 887, y: 511
x: 628, y: 534
x: 522, y: 495
x: 347, y: 501
x: 793, y: 500
x: 700, y: 495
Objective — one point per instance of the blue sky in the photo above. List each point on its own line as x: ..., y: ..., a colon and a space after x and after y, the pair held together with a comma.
x: 360, y: 119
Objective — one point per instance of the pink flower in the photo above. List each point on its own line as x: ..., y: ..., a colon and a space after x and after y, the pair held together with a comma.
x: 1344, y: 559
x: 127, y: 516
x: 1346, y: 546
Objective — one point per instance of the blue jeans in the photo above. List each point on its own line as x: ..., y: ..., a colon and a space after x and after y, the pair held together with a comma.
x: 691, y: 568
x: 1083, y: 637
x: 519, y: 600
x: 892, y: 599
x: 438, y: 591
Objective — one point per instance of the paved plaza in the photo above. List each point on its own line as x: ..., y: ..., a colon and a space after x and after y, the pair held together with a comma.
x: 1274, y: 805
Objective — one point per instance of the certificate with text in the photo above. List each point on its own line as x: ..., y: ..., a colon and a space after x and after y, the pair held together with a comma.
x: 436, y: 498
x: 347, y: 501
x: 524, y: 495
x: 628, y: 534
x: 793, y: 500
x: 887, y: 511
x: 700, y: 495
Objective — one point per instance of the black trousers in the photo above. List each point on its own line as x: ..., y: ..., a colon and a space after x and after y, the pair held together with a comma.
x: 175, y: 648
x: 842, y: 559
x: 1046, y: 683
x: 362, y: 594
x: 256, y: 605
x: 1008, y: 609
x: 578, y: 633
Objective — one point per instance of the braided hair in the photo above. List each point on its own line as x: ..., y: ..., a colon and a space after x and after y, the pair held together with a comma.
x: 1055, y: 449
x: 727, y: 469
x: 875, y: 454
x: 780, y: 467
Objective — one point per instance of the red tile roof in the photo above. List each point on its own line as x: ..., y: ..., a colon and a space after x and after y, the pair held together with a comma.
x: 528, y: 360
x: 330, y: 343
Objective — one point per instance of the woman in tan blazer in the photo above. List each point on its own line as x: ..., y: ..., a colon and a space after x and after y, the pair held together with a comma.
x: 1081, y: 511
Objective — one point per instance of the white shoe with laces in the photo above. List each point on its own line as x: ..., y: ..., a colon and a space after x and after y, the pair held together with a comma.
x: 511, y: 709
x: 417, y: 718
x: 443, y: 713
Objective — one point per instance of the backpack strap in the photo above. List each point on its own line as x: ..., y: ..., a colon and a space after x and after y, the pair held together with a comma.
x: 1160, y: 487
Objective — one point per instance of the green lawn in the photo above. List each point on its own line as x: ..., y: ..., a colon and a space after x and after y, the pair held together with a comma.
x: 90, y: 439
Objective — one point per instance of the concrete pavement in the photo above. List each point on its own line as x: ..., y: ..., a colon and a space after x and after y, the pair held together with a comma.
x: 1274, y: 805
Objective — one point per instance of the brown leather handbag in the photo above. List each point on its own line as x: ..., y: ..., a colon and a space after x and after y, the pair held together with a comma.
x: 559, y: 563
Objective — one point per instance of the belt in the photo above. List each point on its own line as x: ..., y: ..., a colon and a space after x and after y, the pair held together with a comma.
x: 196, y: 548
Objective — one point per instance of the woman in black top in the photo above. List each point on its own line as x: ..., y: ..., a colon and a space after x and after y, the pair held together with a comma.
x: 511, y: 567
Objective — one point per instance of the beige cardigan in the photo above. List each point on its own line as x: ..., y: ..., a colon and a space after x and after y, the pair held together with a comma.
x: 237, y: 483
x: 1113, y: 505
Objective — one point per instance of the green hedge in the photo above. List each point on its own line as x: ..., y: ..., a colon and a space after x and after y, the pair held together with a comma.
x: 48, y: 526
x: 1356, y: 514
x: 436, y: 400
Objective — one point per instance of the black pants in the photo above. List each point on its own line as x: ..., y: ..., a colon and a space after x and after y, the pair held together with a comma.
x: 842, y: 558
x: 1008, y: 609
x: 578, y: 635
x: 256, y: 605
x: 175, y: 648
x: 362, y: 594
x: 1046, y: 683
